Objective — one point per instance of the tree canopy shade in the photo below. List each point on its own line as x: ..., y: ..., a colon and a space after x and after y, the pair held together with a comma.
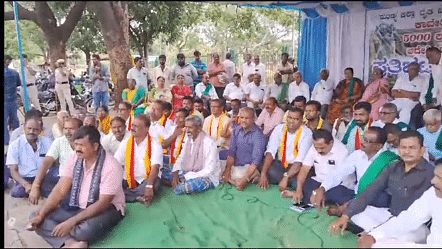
x: 56, y: 32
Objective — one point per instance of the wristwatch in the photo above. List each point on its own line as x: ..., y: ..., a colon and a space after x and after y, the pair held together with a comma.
x: 286, y: 174
x: 149, y: 186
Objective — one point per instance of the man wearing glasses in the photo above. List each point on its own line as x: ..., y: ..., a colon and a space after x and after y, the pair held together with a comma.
x: 388, y: 115
x: 124, y: 111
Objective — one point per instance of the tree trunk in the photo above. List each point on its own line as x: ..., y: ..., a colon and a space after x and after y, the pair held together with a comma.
x: 120, y: 63
x: 146, y: 54
x: 88, y: 58
x: 57, y: 50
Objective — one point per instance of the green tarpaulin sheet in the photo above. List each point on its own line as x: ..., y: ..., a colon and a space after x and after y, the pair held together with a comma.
x: 223, y: 217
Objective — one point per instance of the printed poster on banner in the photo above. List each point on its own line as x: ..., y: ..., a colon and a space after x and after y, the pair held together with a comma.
x: 399, y: 36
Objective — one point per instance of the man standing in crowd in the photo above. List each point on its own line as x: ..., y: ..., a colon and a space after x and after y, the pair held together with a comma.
x: 270, y: 117
x: 162, y: 70
x: 60, y: 150
x: 142, y: 158
x: 435, y: 59
x: 260, y: 69
x: 285, y: 69
x: 91, y: 182
x: 24, y: 157
x: 30, y: 72
x: 62, y: 86
x: 186, y: 69
x: 432, y: 132
x: 247, y: 68
x: 406, y: 180
x: 291, y: 142
x: 100, y: 76
x: 200, y: 66
x: 246, y: 151
x: 355, y: 131
x: 323, y: 91
x: 230, y: 67
x: 216, y: 71
x: 11, y: 82
x: 139, y: 75
x: 298, y: 87
x: 198, y: 163
x: 112, y: 141
x: 313, y: 116
x: 388, y: 115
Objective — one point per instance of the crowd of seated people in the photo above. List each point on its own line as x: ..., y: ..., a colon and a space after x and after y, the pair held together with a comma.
x: 370, y: 153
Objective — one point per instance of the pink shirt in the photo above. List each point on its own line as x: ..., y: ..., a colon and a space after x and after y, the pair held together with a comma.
x: 214, y: 80
x: 270, y: 121
x: 111, y: 181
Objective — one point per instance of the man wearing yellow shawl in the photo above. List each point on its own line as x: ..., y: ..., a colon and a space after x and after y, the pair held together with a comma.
x: 214, y: 124
x: 357, y: 127
x: 136, y: 96
x: 104, y: 119
x: 142, y: 158
x: 161, y: 125
x: 291, y: 141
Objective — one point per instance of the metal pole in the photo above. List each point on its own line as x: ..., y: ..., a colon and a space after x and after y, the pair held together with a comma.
x: 20, y: 49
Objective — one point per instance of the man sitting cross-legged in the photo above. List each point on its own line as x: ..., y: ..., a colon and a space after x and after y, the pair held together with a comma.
x: 290, y: 141
x: 313, y: 116
x: 24, y: 157
x: 246, y: 151
x: 142, y: 158
x: 356, y: 129
x: 60, y: 149
x: 198, y: 163
x: 112, y: 141
x: 91, y: 187
x: 405, y: 180
x: 173, y: 143
x: 395, y: 231
x: 326, y: 156
x: 367, y: 163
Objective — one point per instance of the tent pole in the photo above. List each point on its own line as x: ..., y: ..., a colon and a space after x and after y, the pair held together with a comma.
x: 20, y: 49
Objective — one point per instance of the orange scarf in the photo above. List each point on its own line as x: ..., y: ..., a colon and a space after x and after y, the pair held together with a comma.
x: 220, y: 125
x: 284, y: 145
x: 163, y: 121
x: 173, y: 158
x: 358, y: 138
x: 129, y: 126
x: 130, y: 160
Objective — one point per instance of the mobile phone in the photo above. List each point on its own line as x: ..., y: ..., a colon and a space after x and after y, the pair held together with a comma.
x: 301, y: 207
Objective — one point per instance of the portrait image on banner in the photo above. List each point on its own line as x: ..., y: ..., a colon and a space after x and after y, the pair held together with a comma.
x: 396, y: 37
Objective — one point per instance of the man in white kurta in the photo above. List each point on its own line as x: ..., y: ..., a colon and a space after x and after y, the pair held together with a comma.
x: 111, y: 141
x: 200, y: 89
x: 160, y: 124
x: 215, y: 123
x: 434, y: 57
x: 323, y: 91
x: 357, y: 127
x: 247, y: 68
x: 198, y: 163
x: 298, y: 87
x: 254, y: 92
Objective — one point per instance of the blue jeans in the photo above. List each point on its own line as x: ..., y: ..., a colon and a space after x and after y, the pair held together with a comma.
x: 101, y: 98
x: 10, y: 114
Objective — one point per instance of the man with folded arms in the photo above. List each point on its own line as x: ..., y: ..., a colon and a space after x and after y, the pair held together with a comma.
x: 91, y: 182
x: 142, y: 158
x: 290, y: 141
x: 60, y: 149
x: 198, y: 163
x: 405, y: 180
x: 246, y: 151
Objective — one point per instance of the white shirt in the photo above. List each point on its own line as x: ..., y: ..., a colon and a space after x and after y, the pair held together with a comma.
x: 156, y: 129
x: 351, y: 143
x: 261, y: 69
x: 140, y: 155
x: 214, y: 129
x: 167, y: 74
x: 59, y: 77
x: 323, y: 91
x: 357, y: 162
x: 416, y: 85
x: 295, y: 90
x: 30, y: 79
x: 436, y: 70
x: 20, y: 152
x: 140, y: 76
x: 60, y: 149
x: 426, y: 207
x: 230, y: 69
x: 272, y: 90
x: 110, y: 142
x: 20, y: 131
x: 304, y: 144
x: 256, y: 92
x: 57, y: 131
x: 234, y: 92
x: 211, y: 169
x: 199, y: 89
x: 381, y: 124
x: 246, y: 71
x: 325, y: 165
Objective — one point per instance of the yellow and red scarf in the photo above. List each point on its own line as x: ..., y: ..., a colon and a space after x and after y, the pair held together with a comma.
x: 129, y: 126
x: 174, y: 157
x: 283, y: 149
x: 130, y: 160
x: 358, y: 138
x: 163, y: 120
x: 220, y: 125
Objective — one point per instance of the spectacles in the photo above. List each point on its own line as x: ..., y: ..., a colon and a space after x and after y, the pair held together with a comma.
x: 368, y: 141
x: 386, y: 113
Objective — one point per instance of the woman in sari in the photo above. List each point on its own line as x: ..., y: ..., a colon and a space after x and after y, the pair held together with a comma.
x: 104, y: 119
x: 179, y: 91
x: 377, y: 93
x: 347, y: 92
x: 135, y: 96
x: 159, y: 93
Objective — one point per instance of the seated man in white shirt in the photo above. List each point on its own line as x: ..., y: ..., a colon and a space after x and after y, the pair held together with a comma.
x: 341, y: 124
x: 124, y: 111
x: 111, y: 141
x: 276, y: 89
x: 60, y: 149
x: 407, y: 91
x: 204, y: 90
x: 24, y: 157
x: 323, y: 91
x: 325, y: 156
x: 356, y: 129
x: 142, y: 169
x: 57, y: 128
x: 254, y: 92
x: 298, y: 87
x: 160, y: 124
x: 393, y: 233
x: 388, y: 115
x: 198, y: 163
x: 432, y: 133
x: 45, y: 131
x: 295, y: 139
x: 234, y: 90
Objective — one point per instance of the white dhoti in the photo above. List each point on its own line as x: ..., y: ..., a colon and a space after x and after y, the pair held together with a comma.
x: 371, y: 217
x: 239, y: 172
x: 404, y: 107
x: 32, y: 92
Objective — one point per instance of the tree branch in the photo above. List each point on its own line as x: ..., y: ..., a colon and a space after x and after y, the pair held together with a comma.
x: 23, y: 14
x: 45, y: 15
x: 72, y: 19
